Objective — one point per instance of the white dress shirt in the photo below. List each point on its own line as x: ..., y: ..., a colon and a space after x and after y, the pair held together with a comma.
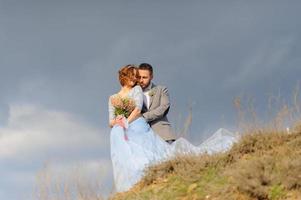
x: 146, y: 97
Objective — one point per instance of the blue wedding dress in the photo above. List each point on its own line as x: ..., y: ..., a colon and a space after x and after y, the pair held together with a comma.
x: 143, y: 147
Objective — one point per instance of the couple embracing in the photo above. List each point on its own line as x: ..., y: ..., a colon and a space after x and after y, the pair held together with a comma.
x: 141, y: 133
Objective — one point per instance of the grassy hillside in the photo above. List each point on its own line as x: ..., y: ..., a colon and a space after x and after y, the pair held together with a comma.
x: 264, y: 164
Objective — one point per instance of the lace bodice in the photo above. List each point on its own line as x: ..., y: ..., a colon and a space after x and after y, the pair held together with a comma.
x: 135, y: 93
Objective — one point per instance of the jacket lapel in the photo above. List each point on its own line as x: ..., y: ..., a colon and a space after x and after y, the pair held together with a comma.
x: 152, y: 94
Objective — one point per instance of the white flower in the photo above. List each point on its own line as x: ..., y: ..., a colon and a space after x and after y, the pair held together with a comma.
x: 151, y: 93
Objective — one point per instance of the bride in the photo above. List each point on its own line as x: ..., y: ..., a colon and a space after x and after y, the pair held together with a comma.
x: 134, y: 145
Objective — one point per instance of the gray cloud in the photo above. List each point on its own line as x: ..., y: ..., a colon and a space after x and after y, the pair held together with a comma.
x: 35, y: 136
x: 63, y: 56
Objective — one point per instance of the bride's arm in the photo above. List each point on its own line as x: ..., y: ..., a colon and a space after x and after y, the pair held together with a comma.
x: 112, y: 123
x: 112, y: 120
x: 138, y: 97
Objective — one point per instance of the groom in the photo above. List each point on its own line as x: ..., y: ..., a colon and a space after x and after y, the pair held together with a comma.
x: 155, y: 104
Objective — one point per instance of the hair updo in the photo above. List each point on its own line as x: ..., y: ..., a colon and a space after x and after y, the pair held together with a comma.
x: 127, y: 74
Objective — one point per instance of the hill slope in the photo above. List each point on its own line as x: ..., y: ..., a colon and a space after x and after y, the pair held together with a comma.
x: 262, y: 165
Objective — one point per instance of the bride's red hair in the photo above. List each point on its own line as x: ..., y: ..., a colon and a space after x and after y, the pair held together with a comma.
x: 127, y: 73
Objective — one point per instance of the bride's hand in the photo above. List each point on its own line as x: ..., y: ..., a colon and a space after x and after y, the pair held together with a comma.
x: 119, y: 117
x: 116, y: 121
x: 121, y: 121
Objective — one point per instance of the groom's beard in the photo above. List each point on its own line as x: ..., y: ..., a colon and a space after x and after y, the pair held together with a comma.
x: 144, y: 88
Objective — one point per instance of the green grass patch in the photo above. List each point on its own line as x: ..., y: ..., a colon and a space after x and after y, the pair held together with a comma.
x: 277, y: 192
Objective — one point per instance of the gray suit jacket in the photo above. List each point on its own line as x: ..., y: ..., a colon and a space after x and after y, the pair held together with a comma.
x: 156, y: 115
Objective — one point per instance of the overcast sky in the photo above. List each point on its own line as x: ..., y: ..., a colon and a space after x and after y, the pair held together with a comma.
x: 59, y: 62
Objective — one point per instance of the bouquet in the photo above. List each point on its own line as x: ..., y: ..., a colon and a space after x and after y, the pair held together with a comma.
x: 123, y: 108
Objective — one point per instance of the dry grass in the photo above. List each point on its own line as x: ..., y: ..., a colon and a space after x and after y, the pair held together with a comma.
x: 181, y: 129
x: 76, y: 184
x: 263, y: 165
x: 266, y: 165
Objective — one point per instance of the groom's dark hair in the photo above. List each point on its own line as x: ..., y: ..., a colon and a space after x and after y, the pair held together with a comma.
x: 146, y: 66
